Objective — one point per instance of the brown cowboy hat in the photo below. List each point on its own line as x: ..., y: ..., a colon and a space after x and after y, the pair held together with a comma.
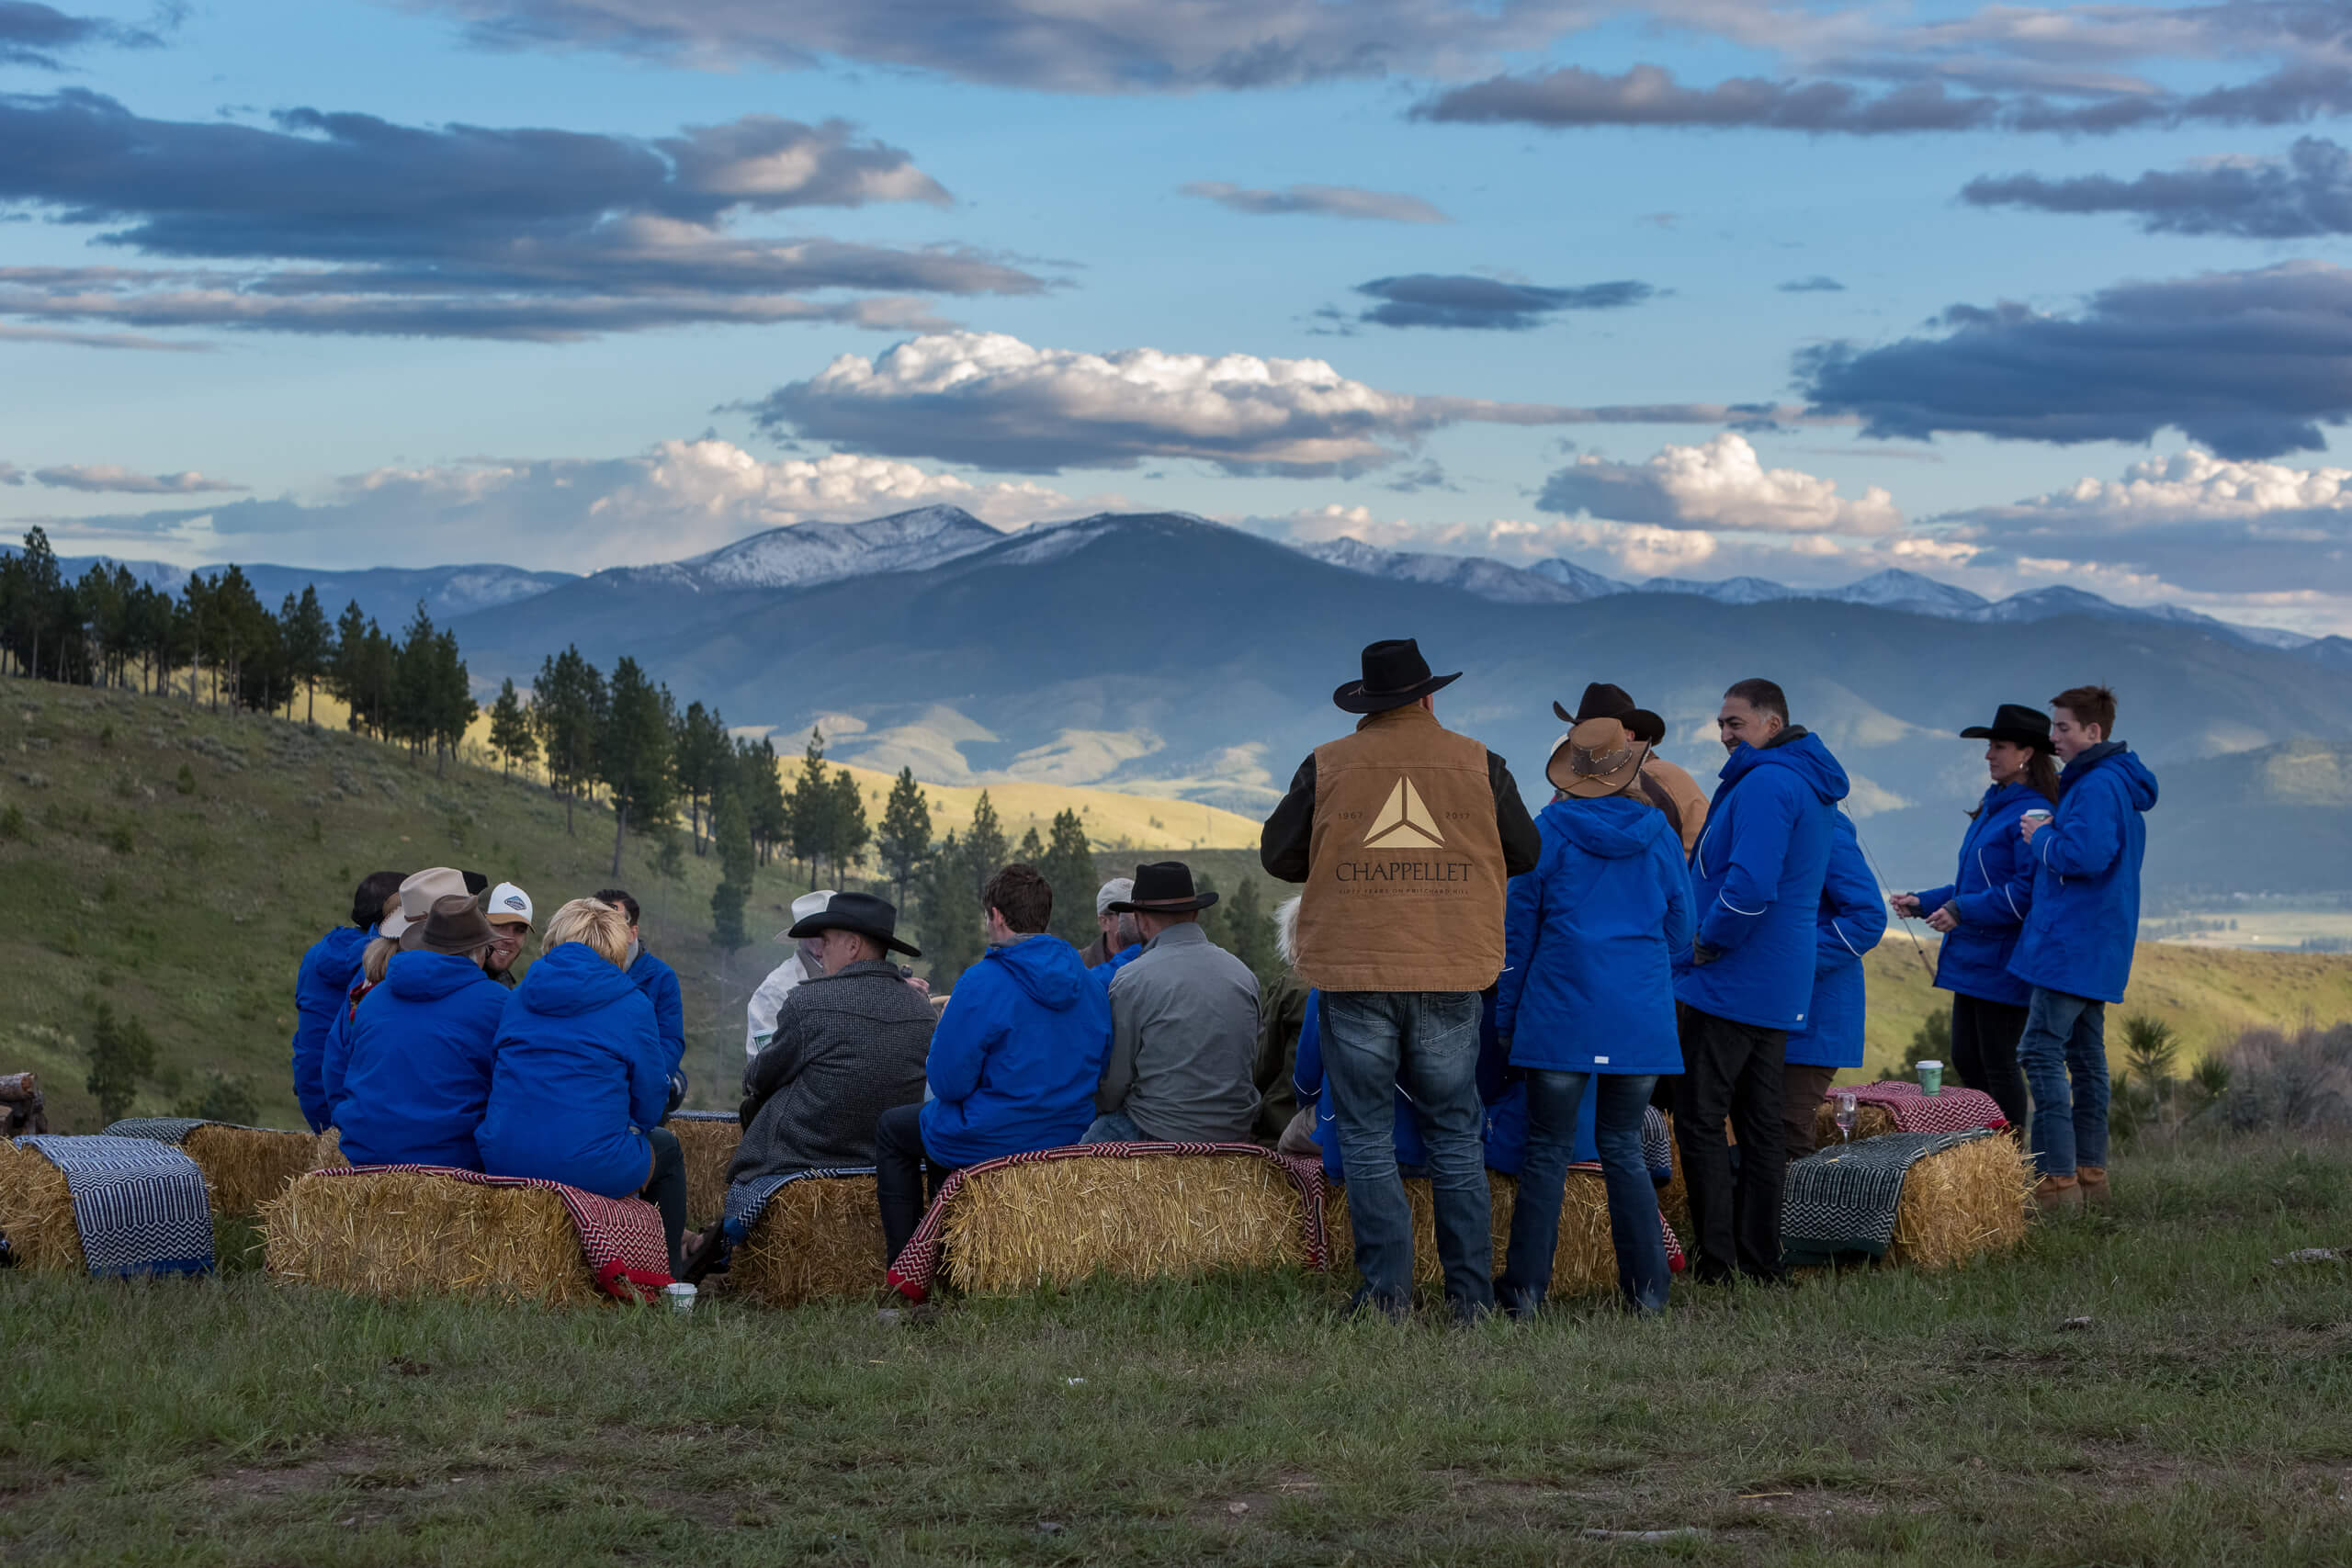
x: 1395, y: 673
x: 1597, y: 757
x: 1602, y: 700
x: 1164, y: 887
x: 454, y: 927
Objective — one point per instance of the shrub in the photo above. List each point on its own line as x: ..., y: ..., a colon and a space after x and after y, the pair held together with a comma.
x: 224, y: 1096
x: 1931, y: 1042
x: 2292, y: 1083
x: 12, y: 822
x: 186, y: 783
x: 121, y: 1053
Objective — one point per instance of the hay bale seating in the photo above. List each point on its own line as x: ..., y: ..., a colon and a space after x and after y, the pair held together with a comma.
x: 820, y: 1237
x: 397, y: 1234
x: 1870, y: 1120
x: 37, y: 1213
x: 1055, y: 1223
x: 1583, y: 1263
x: 707, y: 1138
x: 246, y: 1167
x: 1963, y: 1203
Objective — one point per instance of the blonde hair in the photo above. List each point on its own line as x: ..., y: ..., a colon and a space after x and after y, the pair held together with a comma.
x: 378, y: 955
x: 596, y: 923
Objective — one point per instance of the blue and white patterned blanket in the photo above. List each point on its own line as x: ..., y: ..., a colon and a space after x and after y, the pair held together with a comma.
x: 747, y: 1201
x: 139, y: 1204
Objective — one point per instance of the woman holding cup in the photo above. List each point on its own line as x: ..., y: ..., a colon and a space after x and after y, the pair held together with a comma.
x: 1982, y: 910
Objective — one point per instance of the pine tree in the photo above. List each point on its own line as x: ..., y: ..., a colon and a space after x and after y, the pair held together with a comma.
x: 1068, y: 866
x: 812, y: 807
x: 984, y: 852
x: 510, y: 733
x: 771, y: 814
x: 731, y: 834
x: 346, y: 664
x: 310, y: 645
x: 1252, y: 930
x: 453, y: 706
x: 904, y: 843
x: 568, y: 703
x: 1032, y: 849
x: 633, y: 758
x: 952, y: 920
x: 846, y: 833
x: 704, y: 753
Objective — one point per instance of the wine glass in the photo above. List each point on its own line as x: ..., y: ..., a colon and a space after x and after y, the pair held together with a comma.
x: 1845, y: 1118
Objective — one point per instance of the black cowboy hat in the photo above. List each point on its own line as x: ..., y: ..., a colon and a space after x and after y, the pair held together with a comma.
x: 2017, y: 725
x: 859, y: 912
x: 1395, y: 673
x: 455, y: 926
x: 1602, y: 700
x: 1164, y: 887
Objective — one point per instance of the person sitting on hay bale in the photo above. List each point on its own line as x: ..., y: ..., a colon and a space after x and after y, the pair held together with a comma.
x: 1849, y: 924
x: 1120, y: 941
x: 421, y: 1046
x: 1282, y: 1014
x: 1586, y: 992
x: 659, y: 983
x: 581, y: 1079
x: 323, y: 987
x: 1014, y: 1063
x: 805, y: 964
x: 1184, y: 1026
x: 509, y: 914
x: 412, y: 902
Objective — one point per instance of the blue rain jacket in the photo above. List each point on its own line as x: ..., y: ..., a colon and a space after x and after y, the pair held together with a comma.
x: 659, y: 983
x: 1756, y: 878
x: 1108, y: 970
x: 1589, y: 939
x: 579, y: 1076
x: 1017, y: 1055
x: 1992, y: 896
x: 418, y: 1074
x: 1851, y: 919
x: 2085, y: 913
x: 321, y: 990
x: 1306, y: 1078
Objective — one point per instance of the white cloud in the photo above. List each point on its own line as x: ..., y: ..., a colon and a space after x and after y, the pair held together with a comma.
x: 100, y: 477
x: 1329, y: 201
x: 1720, y: 484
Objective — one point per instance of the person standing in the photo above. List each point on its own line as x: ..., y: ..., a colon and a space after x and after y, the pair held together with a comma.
x: 1851, y: 921
x: 1756, y: 879
x: 2075, y: 949
x: 805, y: 964
x: 1404, y: 834
x: 1588, y: 993
x: 323, y: 988
x: 1981, y: 912
x: 1116, y: 931
x: 1660, y: 783
x: 1184, y: 1026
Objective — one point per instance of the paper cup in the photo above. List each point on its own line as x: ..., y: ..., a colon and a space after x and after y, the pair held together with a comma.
x: 1931, y: 1079
x: 681, y: 1298
x: 2035, y: 814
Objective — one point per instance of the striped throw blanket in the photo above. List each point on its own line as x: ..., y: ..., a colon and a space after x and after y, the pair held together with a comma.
x: 1675, y: 1261
x: 620, y: 1237
x: 140, y: 1206
x: 918, y: 1264
x: 1953, y: 1110
x: 1841, y: 1202
x: 747, y: 1201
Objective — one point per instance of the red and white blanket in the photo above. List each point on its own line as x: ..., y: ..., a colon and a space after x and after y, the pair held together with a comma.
x: 1953, y: 1110
x: 620, y: 1237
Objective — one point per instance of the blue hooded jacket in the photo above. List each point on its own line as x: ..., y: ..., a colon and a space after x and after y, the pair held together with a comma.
x: 418, y: 1074
x: 579, y: 1075
x: 1306, y: 1078
x: 323, y: 989
x: 1589, y: 940
x: 659, y: 983
x: 1108, y: 970
x: 1992, y: 896
x: 2085, y: 913
x: 1756, y: 878
x: 1017, y: 1055
x: 1851, y: 921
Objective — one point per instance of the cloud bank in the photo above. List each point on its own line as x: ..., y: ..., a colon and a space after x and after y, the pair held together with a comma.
x: 1430, y: 299
x: 1328, y: 201
x: 113, y: 477
x: 2308, y: 192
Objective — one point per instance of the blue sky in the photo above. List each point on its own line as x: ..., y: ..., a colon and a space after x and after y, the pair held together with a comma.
x: 1738, y: 232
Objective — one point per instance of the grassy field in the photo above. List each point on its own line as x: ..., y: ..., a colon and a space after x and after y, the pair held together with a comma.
x: 2141, y: 1388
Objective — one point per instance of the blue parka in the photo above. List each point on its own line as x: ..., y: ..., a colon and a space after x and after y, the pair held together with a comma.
x: 579, y: 1076
x: 1756, y: 876
x: 1017, y: 1055
x: 2085, y: 913
x: 1851, y: 921
x: 1306, y: 1078
x: 1108, y: 970
x: 1589, y: 939
x: 659, y: 983
x: 323, y: 989
x: 418, y: 1073
x: 1990, y: 897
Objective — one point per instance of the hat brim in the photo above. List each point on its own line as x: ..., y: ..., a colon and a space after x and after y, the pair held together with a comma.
x: 818, y: 925
x: 1640, y: 723
x: 1165, y: 906
x: 511, y: 920
x: 1590, y: 787
x: 412, y: 941
x: 1353, y: 698
x: 2014, y: 737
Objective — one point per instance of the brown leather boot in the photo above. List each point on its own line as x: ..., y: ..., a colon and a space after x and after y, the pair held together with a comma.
x: 2093, y: 1178
x: 2058, y: 1195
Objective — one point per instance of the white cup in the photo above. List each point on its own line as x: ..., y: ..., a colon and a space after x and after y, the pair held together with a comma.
x: 2035, y: 814
x: 680, y: 1297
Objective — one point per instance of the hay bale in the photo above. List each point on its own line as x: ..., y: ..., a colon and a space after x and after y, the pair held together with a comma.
x: 1870, y: 1120
x: 1058, y: 1222
x: 246, y: 1166
x: 401, y: 1233
x: 37, y: 1213
x: 708, y: 1144
x: 1967, y: 1201
x: 820, y: 1237
x: 326, y: 1151
x: 1340, y: 1233
x: 1584, y: 1260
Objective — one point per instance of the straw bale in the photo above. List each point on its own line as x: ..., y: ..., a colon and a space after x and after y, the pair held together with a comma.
x: 1962, y: 1203
x: 246, y: 1166
x: 37, y: 1213
x: 1870, y: 1120
x: 709, y: 1148
x: 821, y: 1236
x: 1584, y: 1262
x: 1058, y: 1222
x: 400, y: 1232
x: 326, y: 1151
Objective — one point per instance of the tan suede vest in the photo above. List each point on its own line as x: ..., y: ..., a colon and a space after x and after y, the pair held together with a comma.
x: 1405, y: 879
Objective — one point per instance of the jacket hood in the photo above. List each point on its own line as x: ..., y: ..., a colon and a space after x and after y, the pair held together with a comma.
x: 572, y: 979
x: 429, y: 976
x: 2139, y: 785
x: 1796, y: 748
x: 1614, y: 826
x: 1048, y: 968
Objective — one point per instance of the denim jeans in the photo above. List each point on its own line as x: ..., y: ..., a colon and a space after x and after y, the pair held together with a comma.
x: 1114, y: 1127
x: 1552, y: 1102
x: 2063, y: 1052
x: 1426, y: 1041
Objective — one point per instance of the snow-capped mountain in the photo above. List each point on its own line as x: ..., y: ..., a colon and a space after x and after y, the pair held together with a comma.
x: 1583, y: 581
x: 1895, y: 589
x: 802, y: 554
x: 1473, y: 574
x: 1723, y: 590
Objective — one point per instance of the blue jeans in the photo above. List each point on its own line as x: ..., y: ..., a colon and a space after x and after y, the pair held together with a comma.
x: 2063, y: 1052
x: 1428, y: 1043
x: 1112, y: 1127
x: 1643, y: 1274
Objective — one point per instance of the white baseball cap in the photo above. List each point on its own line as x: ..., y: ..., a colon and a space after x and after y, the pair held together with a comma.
x: 807, y: 903
x: 1118, y: 890
x: 509, y: 905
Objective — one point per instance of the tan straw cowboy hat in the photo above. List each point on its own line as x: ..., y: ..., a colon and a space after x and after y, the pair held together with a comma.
x: 1597, y: 757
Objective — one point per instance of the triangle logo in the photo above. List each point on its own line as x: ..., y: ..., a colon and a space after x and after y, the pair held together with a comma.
x: 1404, y: 822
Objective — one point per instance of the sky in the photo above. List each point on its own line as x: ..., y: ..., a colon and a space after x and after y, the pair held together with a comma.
x: 2007, y: 295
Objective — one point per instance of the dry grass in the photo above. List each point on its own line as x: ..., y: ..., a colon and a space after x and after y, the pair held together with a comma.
x: 821, y: 1237
x: 1870, y: 1120
x: 1058, y: 1222
x: 246, y: 1167
x: 1963, y: 1203
x: 37, y: 1213
x: 397, y: 1233
x: 326, y: 1151
x: 709, y: 1143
